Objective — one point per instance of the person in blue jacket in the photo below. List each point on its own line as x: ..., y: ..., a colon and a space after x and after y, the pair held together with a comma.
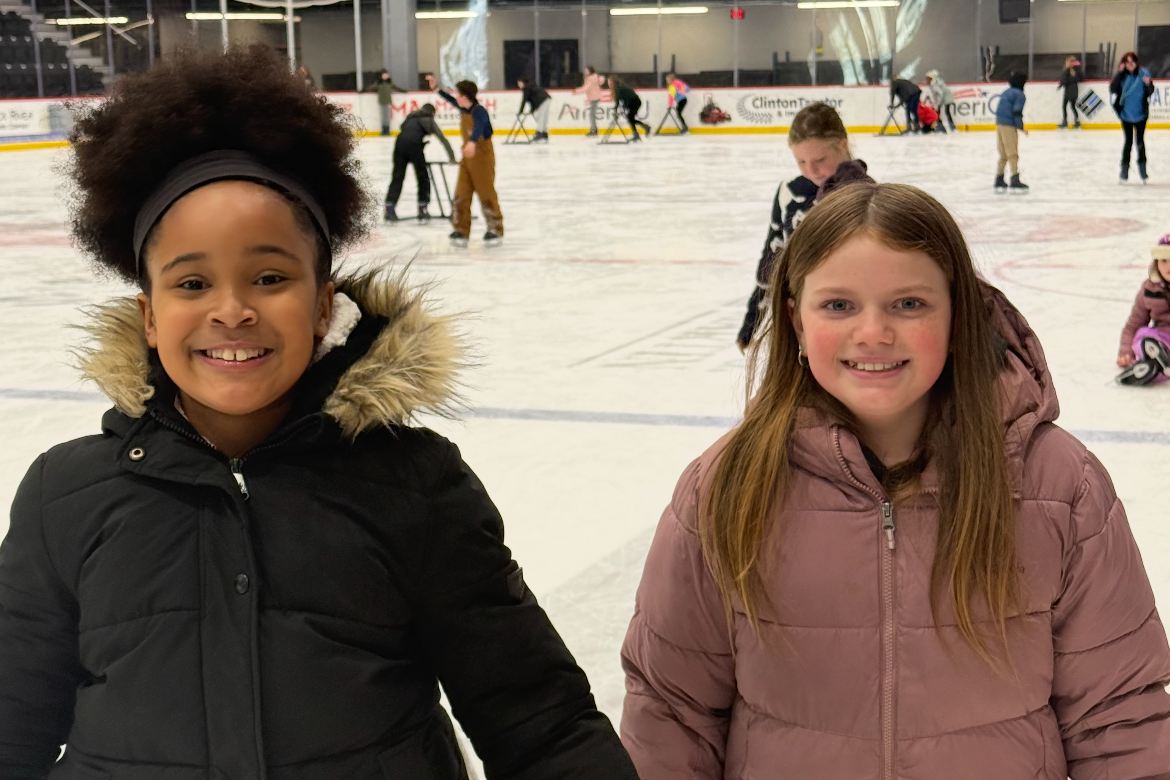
x: 1129, y: 93
x: 1009, y: 122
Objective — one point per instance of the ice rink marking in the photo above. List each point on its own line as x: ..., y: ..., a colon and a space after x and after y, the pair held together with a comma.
x: 1158, y: 438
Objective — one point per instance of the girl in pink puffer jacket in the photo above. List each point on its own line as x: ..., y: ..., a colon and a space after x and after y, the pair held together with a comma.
x: 1145, y: 339
x: 896, y: 566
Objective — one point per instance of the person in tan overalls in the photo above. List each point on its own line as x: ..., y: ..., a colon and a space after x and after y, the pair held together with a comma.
x: 477, y: 169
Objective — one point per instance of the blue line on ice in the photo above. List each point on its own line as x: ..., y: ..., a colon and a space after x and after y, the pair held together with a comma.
x: 1161, y: 438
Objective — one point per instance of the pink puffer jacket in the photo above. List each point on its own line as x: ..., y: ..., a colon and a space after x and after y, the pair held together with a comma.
x: 850, y: 679
x: 1150, y: 306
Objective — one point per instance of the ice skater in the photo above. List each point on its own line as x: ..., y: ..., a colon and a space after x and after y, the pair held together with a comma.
x: 907, y: 94
x: 410, y: 149
x: 820, y: 146
x: 628, y: 104
x: 592, y: 85
x: 537, y: 99
x: 943, y: 99
x: 1009, y: 123
x: 677, y: 92
x: 386, y: 88
x: 1070, y: 81
x: 1129, y: 93
x: 262, y: 566
x: 896, y: 565
x: 1145, y: 339
x: 477, y: 169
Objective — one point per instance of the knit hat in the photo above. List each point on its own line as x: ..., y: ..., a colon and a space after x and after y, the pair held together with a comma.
x: 1162, y: 250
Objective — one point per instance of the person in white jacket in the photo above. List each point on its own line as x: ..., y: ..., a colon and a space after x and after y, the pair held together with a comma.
x: 942, y: 97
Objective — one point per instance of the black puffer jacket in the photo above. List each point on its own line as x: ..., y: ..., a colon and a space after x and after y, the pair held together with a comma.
x: 166, y: 624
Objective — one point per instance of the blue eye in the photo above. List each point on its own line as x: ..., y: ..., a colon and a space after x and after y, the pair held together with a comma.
x: 910, y: 304
x: 837, y: 305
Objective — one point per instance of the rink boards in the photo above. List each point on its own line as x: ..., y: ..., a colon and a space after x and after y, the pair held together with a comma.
x: 36, y: 123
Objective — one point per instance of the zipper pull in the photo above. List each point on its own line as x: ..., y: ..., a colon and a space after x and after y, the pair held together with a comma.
x: 235, y: 464
x: 888, y: 522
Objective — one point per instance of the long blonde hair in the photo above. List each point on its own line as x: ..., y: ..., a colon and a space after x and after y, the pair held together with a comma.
x: 975, y: 556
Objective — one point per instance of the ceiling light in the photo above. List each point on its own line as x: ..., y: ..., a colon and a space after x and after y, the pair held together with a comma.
x: 446, y: 14
x: 256, y: 17
x: 821, y: 4
x: 88, y: 20
x: 655, y: 11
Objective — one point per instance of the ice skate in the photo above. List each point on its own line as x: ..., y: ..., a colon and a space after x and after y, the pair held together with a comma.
x: 390, y: 215
x: 1017, y: 187
x: 1000, y: 184
x: 1140, y: 373
x: 458, y: 239
x: 1142, y: 172
x: 1062, y: 126
x: 1124, y: 177
x: 1156, y: 351
x: 491, y: 239
x: 423, y: 214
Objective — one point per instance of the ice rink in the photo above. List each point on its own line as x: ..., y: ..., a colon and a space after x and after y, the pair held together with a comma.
x: 605, y: 327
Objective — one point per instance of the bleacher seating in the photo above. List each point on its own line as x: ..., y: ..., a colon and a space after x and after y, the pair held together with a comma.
x: 18, y: 74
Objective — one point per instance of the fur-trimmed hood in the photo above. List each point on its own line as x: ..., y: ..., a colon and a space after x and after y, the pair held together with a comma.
x: 412, y: 366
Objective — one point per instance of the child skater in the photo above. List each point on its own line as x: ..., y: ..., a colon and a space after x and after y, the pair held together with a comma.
x: 477, y: 169
x: 896, y: 565
x: 260, y: 569
x: 410, y: 149
x: 677, y: 93
x: 1009, y: 123
x: 1145, y: 339
x: 820, y: 146
x: 592, y: 85
x: 627, y: 102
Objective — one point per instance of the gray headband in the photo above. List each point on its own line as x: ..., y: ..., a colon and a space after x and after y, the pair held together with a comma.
x: 211, y: 167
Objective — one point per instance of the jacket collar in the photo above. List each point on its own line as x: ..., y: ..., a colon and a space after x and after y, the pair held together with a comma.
x: 398, y: 360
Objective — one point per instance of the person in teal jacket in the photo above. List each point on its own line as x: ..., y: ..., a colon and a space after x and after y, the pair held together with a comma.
x: 1130, y: 92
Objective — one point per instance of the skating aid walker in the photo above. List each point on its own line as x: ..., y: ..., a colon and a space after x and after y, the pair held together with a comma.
x: 520, y: 134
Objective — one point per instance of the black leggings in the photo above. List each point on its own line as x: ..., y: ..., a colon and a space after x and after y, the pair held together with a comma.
x: 679, y: 106
x: 1064, y: 107
x: 631, y: 109
x: 949, y: 111
x: 410, y: 156
x: 1131, y: 129
x: 911, y: 106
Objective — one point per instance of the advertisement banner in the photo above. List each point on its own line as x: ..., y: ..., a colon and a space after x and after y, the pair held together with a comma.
x: 19, y: 119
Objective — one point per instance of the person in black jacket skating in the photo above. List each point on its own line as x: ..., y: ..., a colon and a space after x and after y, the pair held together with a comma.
x: 1070, y: 80
x: 260, y: 569
x: 820, y: 146
x: 410, y: 149
x: 538, y: 101
x: 907, y: 94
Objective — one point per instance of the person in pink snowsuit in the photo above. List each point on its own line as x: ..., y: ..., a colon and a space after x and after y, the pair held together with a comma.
x: 592, y: 87
x: 1145, y: 339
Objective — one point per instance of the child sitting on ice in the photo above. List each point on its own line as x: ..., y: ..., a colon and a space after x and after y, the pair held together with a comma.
x: 1145, y: 340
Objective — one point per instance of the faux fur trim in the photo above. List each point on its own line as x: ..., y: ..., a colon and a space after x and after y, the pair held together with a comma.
x: 412, y: 367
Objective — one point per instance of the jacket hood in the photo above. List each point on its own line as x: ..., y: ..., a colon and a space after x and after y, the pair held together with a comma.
x: 1027, y: 399
x: 411, y: 366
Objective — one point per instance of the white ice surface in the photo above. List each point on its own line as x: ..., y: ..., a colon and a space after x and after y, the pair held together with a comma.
x: 618, y: 292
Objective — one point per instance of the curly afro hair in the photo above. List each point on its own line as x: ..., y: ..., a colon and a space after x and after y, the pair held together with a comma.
x: 192, y: 103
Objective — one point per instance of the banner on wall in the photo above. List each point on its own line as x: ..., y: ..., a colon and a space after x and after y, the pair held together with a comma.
x: 21, y: 119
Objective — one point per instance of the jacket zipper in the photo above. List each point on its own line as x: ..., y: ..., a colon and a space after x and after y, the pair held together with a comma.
x: 888, y: 643
x: 236, y: 465
x: 889, y: 627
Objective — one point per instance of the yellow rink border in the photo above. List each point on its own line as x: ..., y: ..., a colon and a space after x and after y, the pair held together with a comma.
x: 23, y: 146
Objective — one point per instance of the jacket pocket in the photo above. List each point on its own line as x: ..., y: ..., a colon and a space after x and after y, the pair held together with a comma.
x: 430, y: 753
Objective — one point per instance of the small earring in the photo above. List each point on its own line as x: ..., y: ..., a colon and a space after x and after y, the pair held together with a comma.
x: 800, y: 356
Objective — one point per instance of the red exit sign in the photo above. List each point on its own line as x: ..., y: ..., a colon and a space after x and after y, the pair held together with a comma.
x: 736, y: 13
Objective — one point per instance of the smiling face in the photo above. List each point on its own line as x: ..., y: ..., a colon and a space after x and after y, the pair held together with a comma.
x: 1163, y: 267
x: 875, y: 324
x: 234, y: 303
x: 819, y: 159
x: 1130, y: 65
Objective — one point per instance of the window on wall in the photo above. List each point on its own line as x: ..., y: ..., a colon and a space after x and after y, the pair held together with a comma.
x: 559, y: 66
x: 1012, y: 11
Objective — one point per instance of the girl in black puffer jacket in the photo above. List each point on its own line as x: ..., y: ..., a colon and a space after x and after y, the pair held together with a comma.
x: 259, y: 569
